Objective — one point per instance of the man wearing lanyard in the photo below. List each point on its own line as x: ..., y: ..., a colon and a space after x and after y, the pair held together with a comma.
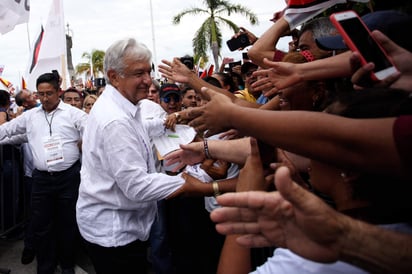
x: 53, y: 132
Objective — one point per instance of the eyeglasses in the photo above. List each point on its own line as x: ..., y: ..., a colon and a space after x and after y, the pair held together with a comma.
x: 175, y: 98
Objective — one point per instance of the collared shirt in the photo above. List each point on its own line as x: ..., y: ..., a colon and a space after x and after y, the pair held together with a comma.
x: 119, y: 186
x: 285, y: 261
x: 65, y: 121
x: 150, y: 110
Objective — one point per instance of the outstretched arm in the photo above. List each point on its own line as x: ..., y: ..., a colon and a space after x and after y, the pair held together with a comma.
x: 178, y: 72
x: 296, y: 219
x: 284, y: 74
x: 233, y: 151
x: 347, y: 143
x: 279, y: 75
x: 265, y: 46
x: 235, y: 258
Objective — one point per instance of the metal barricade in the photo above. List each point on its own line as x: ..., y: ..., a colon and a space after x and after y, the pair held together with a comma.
x: 12, y: 197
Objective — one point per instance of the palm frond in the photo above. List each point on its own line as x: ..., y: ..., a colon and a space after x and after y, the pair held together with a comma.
x: 193, y: 11
x: 209, y: 35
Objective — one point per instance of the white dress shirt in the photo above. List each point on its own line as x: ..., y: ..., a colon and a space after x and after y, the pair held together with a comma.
x: 119, y: 186
x: 65, y: 121
x: 150, y: 110
x: 285, y: 261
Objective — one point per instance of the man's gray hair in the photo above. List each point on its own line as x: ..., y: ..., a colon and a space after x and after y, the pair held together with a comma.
x: 128, y: 47
x: 320, y: 27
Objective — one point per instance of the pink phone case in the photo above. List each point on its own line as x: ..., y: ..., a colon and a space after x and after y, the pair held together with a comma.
x: 350, y: 43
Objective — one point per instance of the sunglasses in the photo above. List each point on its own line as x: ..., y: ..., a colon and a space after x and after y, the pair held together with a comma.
x: 167, y: 99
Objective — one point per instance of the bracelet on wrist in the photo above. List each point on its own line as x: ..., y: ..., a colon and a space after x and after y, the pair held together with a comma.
x: 206, y: 149
x: 216, y: 191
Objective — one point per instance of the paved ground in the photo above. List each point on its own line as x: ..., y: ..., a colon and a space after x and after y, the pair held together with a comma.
x: 11, y: 248
x: 10, y: 254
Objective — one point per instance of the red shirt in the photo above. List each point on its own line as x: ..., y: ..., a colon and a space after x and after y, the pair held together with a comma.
x: 402, y: 133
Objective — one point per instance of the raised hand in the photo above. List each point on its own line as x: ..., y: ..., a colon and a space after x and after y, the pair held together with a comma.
x: 290, y: 217
x: 251, y: 176
x: 279, y: 75
x: 189, y: 154
x: 175, y: 71
x: 211, y: 117
x: 400, y: 57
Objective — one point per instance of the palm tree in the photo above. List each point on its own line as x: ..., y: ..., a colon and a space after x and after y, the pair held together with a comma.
x: 95, y: 60
x: 209, y: 35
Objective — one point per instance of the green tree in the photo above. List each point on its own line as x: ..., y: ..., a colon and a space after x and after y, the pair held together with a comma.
x: 209, y: 35
x: 95, y: 58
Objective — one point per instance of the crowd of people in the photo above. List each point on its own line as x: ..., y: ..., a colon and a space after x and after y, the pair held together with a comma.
x: 300, y: 164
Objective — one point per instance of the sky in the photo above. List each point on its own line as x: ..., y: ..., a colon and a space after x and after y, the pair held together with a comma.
x: 96, y: 24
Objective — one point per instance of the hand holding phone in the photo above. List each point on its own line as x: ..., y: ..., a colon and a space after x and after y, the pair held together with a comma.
x: 234, y: 64
x: 241, y: 41
x: 358, y: 38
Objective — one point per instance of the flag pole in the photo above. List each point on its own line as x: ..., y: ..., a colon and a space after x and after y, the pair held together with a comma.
x: 28, y: 36
x: 64, y: 71
x: 153, y: 39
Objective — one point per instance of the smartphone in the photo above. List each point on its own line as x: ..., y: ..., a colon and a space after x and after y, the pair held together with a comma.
x: 234, y: 64
x: 188, y: 61
x: 241, y: 41
x: 245, y: 57
x: 358, y: 38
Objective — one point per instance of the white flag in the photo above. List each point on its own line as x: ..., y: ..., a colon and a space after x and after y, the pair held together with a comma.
x: 12, y: 13
x: 49, y: 51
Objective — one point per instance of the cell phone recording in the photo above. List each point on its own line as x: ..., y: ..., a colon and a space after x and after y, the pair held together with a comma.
x: 358, y: 38
x: 241, y: 41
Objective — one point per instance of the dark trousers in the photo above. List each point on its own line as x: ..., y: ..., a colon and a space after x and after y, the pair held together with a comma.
x: 194, y: 241
x: 160, y: 252
x: 28, y: 228
x: 55, y: 232
x: 131, y: 258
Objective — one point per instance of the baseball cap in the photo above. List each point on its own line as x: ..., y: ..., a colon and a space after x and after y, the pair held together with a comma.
x: 392, y: 23
x: 168, y: 88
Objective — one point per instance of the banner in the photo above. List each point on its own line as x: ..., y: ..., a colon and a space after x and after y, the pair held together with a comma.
x: 298, y: 12
x: 23, y: 83
x: 49, y: 52
x: 12, y: 13
x: 8, y: 85
x: 36, y: 50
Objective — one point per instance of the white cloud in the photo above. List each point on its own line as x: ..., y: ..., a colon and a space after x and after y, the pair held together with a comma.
x: 96, y: 24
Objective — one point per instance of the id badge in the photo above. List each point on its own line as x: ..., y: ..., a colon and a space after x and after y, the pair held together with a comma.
x: 53, y: 149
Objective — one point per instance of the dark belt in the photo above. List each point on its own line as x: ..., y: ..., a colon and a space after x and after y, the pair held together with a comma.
x: 56, y: 173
